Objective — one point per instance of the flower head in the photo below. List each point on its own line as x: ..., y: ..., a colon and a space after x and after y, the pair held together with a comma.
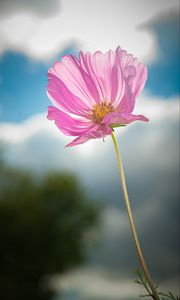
x: 94, y: 93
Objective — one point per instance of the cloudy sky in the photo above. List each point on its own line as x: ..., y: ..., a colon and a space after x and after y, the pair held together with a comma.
x: 33, y: 35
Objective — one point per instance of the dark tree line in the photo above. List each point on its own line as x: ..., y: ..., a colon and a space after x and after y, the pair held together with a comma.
x: 43, y: 228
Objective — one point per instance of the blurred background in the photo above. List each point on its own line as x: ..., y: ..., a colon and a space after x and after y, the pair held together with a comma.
x: 64, y: 233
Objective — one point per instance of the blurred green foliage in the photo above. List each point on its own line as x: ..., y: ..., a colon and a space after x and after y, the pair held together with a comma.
x: 43, y: 228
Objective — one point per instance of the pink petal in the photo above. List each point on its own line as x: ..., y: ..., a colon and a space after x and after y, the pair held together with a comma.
x: 102, y: 65
x: 98, y: 131
x: 67, y: 124
x: 117, y: 84
x: 127, y: 101
x: 89, y: 82
x: 78, y: 141
x: 68, y: 71
x: 135, y: 75
x: 140, y: 79
x: 85, y: 63
x: 122, y: 118
x: 106, y: 74
x: 64, y: 99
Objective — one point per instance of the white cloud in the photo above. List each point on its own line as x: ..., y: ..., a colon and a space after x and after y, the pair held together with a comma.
x: 98, y: 283
x: 39, y: 7
x: 94, y: 283
x: 162, y: 114
x: 93, y: 24
x: 150, y: 155
x: 38, y: 145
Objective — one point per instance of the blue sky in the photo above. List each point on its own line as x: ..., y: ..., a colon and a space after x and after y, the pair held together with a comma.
x: 30, y: 43
x: 23, y: 86
x: 23, y: 80
x: 164, y: 76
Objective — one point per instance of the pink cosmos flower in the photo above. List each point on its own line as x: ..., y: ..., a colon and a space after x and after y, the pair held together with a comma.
x: 94, y: 93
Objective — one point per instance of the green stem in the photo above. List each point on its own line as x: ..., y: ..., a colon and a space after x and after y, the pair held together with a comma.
x: 131, y: 221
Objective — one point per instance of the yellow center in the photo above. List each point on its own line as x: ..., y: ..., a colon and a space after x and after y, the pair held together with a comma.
x: 100, y: 110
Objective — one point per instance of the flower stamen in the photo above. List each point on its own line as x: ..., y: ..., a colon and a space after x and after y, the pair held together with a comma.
x: 100, y: 110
